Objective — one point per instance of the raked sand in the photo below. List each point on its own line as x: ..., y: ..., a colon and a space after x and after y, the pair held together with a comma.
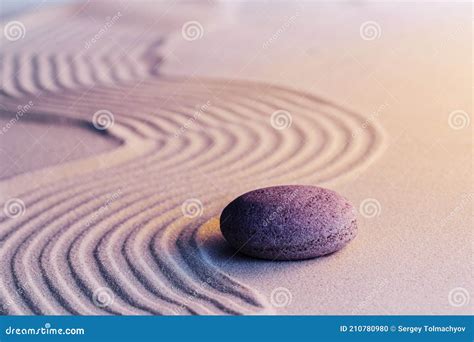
x: 204, y: 102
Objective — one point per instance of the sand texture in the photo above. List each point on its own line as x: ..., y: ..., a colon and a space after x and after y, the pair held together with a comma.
x: 136, y: 130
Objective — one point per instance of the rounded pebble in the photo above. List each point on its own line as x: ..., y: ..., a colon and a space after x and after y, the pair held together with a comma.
x: 289, y: 222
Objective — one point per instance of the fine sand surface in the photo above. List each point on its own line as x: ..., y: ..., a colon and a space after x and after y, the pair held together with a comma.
x: 125, y: 220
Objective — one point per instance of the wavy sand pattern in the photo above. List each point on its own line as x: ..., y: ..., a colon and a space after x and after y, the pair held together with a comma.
x: 107, y: 234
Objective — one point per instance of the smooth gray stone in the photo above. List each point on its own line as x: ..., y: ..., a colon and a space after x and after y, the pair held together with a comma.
x: 289, y: 222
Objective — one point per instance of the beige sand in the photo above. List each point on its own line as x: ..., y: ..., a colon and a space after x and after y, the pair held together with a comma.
x: 369, y: 90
